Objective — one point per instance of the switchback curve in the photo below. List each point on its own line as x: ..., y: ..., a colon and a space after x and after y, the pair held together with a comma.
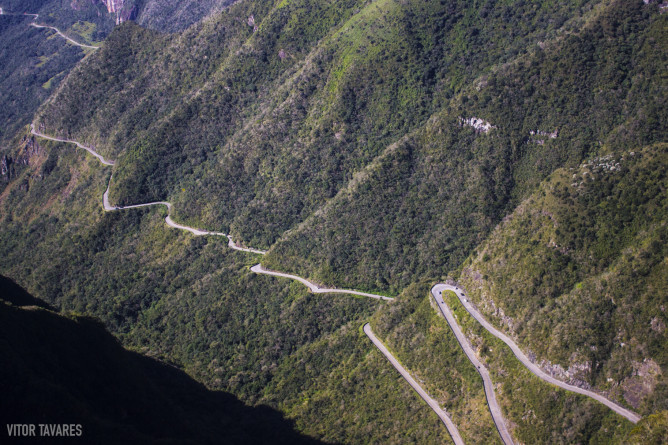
x: 494, y: 408
x: 58, y: 31
x: 535, y: 369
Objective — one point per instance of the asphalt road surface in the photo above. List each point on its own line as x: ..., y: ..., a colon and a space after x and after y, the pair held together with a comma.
x: 495, y: 410
x: 433, y: 404
x: 633, y: 417
x: 313, y: 287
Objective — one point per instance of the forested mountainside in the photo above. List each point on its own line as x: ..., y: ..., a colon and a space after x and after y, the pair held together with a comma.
x: 437, y: 192
x: 193, y: 302
x: 276, y: 121
x: 171, y: 16
x: 33, y: 61
x: 69, y: 369
x: 578, y: 273
x: 518, y: 148
x: 31, y: 67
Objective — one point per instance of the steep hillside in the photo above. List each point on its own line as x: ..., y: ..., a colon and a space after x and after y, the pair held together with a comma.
x: 34, y: 61
x: 536, y: 412
x: 69, y: 370
x: 272, y: 123
x: 422, y: 205
x: 578, y: 274
x: 171, y: 16
x: 31, y: 67
x: 517, y: 147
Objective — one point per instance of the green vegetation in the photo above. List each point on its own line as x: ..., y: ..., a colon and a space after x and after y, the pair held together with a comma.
x: 222, y: 115
x: 175, y: 16
x: 337, y: 135
x: 28, y: 60
x: 362, y: 399
x: 423, y: 342
x: 84, y: 29
x: 193, y: 302
x: 651, y: 430
x: 577, y: 273
x: 539, y: 412
x: 423, y: 205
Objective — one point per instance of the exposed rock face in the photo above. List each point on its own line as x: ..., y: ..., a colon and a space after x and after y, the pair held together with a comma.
x: 576, y: 374
x: 30, y: 149
x: 8, y: 164
x: 113, y: 5
x: 641, y: 384
x: 480, y: 125
x: 6, y: 168
x: 123, y: 9
x: 127, y: 14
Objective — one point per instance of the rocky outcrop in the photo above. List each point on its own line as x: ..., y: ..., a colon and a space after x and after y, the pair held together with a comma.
x: 646, y: 375
x: 114, y: 5
x: 480, y: 125
x: 125, y: 10
x: 127, y: 14
x: 6, y: 168
x: 576, y: 374
x: 29, y: 150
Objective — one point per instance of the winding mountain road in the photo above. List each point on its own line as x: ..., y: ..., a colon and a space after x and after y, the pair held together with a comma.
x: 314, y: 287
x: 72, y: 41
x: 110, y: 208
x: 436, y: 292
x: 630, y: 415
x: 433, y: 404
x: 494, y: 408
x: 70, y: 141
x: 60, y: 33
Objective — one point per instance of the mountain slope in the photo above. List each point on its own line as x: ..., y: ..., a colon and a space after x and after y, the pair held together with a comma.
x: 193, y: 301
x: 31, y: 67
x: 428, y: 200
x: 584, y: 259
x: 275, y: 122
x: 385, y: 146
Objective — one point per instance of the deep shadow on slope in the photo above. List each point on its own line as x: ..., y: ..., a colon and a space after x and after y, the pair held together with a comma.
x: 59, y: 370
